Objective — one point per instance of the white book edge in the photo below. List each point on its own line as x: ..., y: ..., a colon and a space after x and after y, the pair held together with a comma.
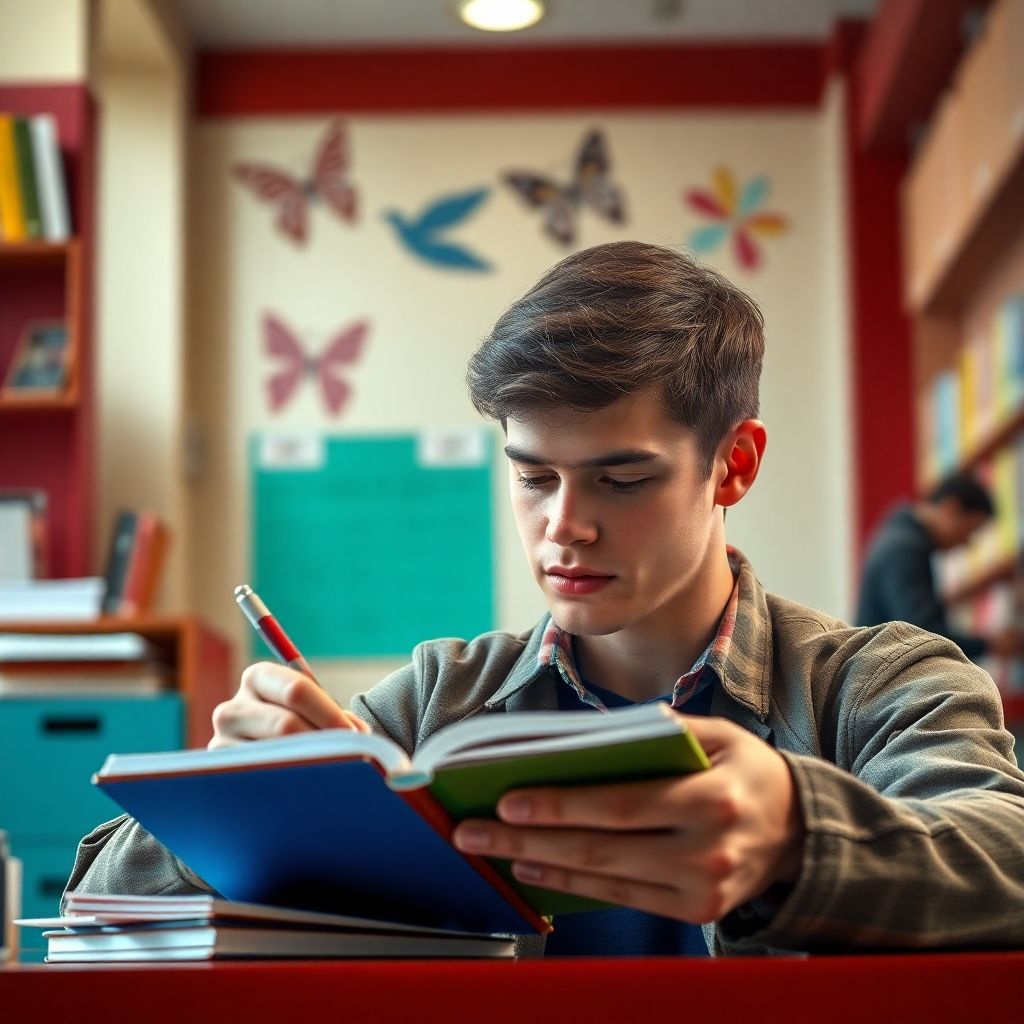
x: 50, y: 181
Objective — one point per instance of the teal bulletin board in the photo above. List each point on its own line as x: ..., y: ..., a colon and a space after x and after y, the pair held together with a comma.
x: 366, y: 546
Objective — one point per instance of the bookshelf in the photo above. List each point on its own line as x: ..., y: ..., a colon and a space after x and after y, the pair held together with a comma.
x: 53, y: 438
x: 963, y: 207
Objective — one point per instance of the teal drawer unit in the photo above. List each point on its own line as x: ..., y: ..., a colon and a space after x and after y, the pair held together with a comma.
x: 46, y: 868
x: 50, y: 747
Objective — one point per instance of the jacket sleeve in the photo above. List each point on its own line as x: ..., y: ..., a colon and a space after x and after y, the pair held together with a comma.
x: 121, y: 857
x: 914, y: 838
x: 907, y: 589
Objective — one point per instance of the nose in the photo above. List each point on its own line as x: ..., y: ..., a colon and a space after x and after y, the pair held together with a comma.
x: 568, y: 519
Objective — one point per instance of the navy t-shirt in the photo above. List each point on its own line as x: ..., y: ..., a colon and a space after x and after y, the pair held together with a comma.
x: 621, y: 931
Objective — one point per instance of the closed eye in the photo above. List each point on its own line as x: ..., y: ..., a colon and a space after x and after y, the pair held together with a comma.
x: 626, y: 486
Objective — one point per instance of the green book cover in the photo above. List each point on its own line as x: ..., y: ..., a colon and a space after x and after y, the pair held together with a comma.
x: 27, y: 178
x: 473, y: 790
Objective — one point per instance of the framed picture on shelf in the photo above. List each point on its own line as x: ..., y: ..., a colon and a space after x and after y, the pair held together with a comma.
x: 41, y: 362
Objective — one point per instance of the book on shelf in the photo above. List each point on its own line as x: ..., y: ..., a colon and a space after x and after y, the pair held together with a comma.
x: 138, y: 549
x: 340, y: 821
x: 23, y: 533
x: 26, y: 168
x: 71, y: 600
x: 12, y: 214
x: 100, y: 928
x: 33, y: 187
x: 50, y: 181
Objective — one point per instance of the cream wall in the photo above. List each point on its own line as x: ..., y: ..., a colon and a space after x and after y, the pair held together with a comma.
x: 141, y: 82
x: 427, y: 322
x: 44, y: 40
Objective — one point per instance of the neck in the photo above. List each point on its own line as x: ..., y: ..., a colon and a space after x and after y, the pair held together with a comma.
x: 643, y: 661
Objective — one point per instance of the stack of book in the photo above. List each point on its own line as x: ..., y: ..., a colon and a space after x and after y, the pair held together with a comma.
x: 100, y: 929
x: 66, y: 600
x: 39, y: 664
x: 33, y: 191
x: 138, y: 550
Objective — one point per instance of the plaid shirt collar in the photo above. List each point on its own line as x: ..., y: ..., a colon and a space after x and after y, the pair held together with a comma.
x: 556, y: 650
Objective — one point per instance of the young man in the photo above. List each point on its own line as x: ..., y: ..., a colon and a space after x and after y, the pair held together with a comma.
x: 898, y: 581
x: 862, y: 791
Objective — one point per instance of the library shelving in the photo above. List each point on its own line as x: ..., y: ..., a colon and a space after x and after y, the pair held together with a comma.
x: 50, y: 744
x: 963, y: 207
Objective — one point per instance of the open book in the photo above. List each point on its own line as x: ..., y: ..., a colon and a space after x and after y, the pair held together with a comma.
x: 346, y: 822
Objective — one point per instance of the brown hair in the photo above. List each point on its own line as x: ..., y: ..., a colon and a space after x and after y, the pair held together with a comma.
x: 621, y: 319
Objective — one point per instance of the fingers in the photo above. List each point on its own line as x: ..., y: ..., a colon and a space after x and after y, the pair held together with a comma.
x: 662, y: 873
x: 275, y: 700
x: 699, y: 802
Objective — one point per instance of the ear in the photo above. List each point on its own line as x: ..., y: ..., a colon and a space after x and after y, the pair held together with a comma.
x: 738, y: 461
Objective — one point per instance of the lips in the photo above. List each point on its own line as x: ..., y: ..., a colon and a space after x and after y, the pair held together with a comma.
x: 577, y: 580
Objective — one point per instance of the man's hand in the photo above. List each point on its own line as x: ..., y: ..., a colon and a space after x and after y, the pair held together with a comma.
x: 691, y: 848
x: 275, y: 700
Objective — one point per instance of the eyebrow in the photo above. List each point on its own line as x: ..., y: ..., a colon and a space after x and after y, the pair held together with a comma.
x: 624, y: 457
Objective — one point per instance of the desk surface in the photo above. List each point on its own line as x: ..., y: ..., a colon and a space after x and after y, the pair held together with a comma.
x: 953, y: 987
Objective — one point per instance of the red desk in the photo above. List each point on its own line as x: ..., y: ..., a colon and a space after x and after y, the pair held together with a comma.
x: 935, y: 988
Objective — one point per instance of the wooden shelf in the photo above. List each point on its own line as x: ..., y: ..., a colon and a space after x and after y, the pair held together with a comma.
x: 35, y: 254
x: 911, y: 51
x: 985, y: 242
x: 202, y: 658
x: 13, y: 402
x: 999, y: 438
x: 1001, y: 572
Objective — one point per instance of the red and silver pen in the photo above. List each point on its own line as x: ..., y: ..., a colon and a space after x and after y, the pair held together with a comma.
x: 273, y: 635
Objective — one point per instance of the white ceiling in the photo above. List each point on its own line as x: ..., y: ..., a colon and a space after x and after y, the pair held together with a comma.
x: 244, y: 24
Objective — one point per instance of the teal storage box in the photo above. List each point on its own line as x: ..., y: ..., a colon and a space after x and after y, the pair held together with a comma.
x: 50, y: 747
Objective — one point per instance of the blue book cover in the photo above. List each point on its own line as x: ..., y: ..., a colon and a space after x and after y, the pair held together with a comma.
x: 328, y: 836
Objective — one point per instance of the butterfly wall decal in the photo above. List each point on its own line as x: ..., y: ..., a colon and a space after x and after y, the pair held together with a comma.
x: 291, y: 196
x: 591, y: 186
x: 294, y: 365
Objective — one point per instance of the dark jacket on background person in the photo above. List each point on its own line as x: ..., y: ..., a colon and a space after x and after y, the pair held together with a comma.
x: 898, y: 582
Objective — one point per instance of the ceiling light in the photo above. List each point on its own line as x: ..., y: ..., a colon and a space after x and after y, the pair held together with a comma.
x: 501, y: 15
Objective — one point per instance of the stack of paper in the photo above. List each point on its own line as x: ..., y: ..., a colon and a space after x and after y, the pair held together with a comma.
x: 51, y: 600
x: 97, y: 929
x: 34, y: 664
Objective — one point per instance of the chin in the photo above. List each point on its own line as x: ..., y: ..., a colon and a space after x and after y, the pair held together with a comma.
x: 582, y: 621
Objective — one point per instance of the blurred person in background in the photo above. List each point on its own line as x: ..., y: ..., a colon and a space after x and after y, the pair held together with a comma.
x: 898, y: 581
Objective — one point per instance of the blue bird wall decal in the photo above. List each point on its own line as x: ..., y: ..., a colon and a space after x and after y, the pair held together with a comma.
x: 420, y: 234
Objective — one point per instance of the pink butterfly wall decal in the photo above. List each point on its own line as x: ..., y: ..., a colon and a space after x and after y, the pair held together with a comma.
x: 291, y: 196
x: 295, y: 365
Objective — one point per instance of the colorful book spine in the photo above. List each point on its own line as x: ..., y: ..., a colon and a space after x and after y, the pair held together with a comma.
x: 50, y: 180
x: 12, y: 214
x: 149, y: 550
x: 947, y: 421
x: 26, y: 167
x: 1009, y: 330
x: 122, y: 541
x: 1006, y: 501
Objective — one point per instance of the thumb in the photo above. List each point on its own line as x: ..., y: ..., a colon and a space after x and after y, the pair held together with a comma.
x: 713, y: 734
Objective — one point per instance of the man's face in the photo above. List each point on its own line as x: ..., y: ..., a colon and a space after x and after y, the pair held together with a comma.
x: 613, y: 512
x: 956, y: 524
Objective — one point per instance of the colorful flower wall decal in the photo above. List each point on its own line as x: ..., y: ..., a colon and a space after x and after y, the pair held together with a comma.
x: 736, y: 213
